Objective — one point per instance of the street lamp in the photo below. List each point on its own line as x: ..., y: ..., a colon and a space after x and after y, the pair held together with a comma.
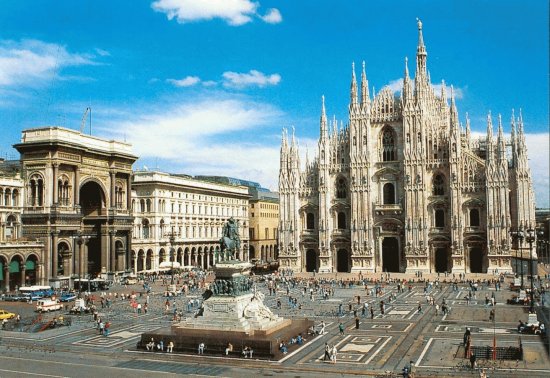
x: 80, y: 240
x: 172, y: 238
x: 530, y: 238
x: 519, y: 236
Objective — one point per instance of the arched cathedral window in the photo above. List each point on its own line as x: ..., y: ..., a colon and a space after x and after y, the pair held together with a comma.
x: 341, y: 221
x: 310, y: 221
x: 389, y: 194
x: 474, y: 218
x: 341, y: 190
x: 438, y: 185
x: 388, y: 145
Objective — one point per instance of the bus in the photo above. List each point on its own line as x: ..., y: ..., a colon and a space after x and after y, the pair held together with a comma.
x: 36, y: 292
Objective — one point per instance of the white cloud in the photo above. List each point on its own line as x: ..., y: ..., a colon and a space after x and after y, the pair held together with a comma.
x: 188, y: 81
x: 102, y: 52
x: 538, y: 151
x: 273, y: 16
x: 252, y: 78
x: 29, y: 62
x: 209, y: 83
x: 207, y: 136
x: 397, y: 85
x: 234, y: 12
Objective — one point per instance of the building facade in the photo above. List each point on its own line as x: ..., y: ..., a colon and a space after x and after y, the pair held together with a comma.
x: 179, y: 218
x: 264, y: 228
x: 76, y: 203
x: 18, y: 257
x: 403, y: 188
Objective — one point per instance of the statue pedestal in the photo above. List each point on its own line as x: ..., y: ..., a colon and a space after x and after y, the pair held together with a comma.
x: 232, y: 313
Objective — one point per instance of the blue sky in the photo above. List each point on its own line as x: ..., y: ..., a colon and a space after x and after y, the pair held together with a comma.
x: 205, y: 86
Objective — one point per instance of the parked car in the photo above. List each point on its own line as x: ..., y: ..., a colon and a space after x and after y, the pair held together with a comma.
x: 14, y: 298
x: 6, y: 315
x: 67, y: 297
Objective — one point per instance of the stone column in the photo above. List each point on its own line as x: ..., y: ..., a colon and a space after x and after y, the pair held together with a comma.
x: 76, y: 185
x: 55, y: 262
x: 129, y: 193
x: 23, y: 269
x: 208, y: 260
x: 105, y: 246
x: 202, y: 259
x: 55, y: 194
x: 47, y: 257
x: 112, y: 267
x: 7, y: 276
x: 113, y: 180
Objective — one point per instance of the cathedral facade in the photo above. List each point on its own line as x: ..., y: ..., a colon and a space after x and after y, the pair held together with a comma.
x: 404, y: 188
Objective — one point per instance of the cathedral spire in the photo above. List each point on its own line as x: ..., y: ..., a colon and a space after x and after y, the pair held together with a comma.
x: 454, y: 112
x: 468, y: 129
x: 407, y: 87
x: 353, y: 90
x: 421, y: 77
x: 501, y: 148
x: 365, y: 97
x: 489, y: 139
x: 324, y: 131
x: 444, y: 92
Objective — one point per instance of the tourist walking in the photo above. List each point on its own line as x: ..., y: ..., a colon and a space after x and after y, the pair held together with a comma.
x: 333, y: 353
x: 327, y: 352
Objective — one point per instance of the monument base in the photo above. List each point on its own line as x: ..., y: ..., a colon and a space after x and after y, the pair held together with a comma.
x: 264, y: 343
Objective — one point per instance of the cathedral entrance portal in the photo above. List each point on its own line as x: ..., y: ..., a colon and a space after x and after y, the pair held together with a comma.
x: 312, y: 261
x: 476, y: 260
x: 441, y: 260
x: 390, y: 255
x: 343, y: 261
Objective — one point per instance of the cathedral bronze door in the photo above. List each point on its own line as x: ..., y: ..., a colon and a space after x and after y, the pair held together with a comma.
x: 390, y: 255
x: 476, y: 260
x: 343, y: 261
x: 441, y: 260
x: 312, y: 260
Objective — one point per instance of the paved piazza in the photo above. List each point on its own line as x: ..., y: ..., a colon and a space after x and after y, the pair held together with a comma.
x: 382, y: 344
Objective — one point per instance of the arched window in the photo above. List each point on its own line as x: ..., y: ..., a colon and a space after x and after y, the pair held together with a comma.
x: 63, y: 191
x: 388, y: 145
x: 146, y: 228
x: 119, y: 195
x: 341, y: 221
x: 440, y: 218
x: 7, y: 197
x: 438, y: 185
x: 310, y: 221
x: 474, y: 218
x: 11, y: 228
x: 341, y: 190
x: 36, y: 190
x: 389, y: 194
x: 15, y: 197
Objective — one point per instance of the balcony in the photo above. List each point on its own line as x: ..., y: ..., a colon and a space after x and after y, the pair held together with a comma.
x: 388, y: 209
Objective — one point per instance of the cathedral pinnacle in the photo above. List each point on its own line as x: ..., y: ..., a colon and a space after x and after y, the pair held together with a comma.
x: 365, y: 97
x: 421, y: 49
x: 353, y: 90
x: 324, y: 131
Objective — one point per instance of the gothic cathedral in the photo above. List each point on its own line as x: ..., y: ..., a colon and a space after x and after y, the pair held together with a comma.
x: 403, y: 188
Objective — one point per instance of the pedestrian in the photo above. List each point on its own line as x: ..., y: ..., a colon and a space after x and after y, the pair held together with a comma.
x: 419, y: 308
x: 436, y: 309
x: 371, y: 313
x: 322, y: 331
x: 170, y: 347
x: 341, y: 328
x: 473, y: 360
x: 201, y: 348
x: 333, y: 353
x: 327, y: 352
x: 106, y: 329
x: 356, y: 322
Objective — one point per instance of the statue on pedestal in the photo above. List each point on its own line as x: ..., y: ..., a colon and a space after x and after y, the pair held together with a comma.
x: 230, y: 242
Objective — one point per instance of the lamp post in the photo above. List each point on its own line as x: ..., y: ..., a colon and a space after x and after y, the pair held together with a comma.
x: 519, y: 236
x: 172, y: 257
x: 530, y: 238
x: 80, y: 240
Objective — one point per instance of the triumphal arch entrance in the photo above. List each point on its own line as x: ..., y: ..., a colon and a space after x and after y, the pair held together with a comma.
x: 77, y: 201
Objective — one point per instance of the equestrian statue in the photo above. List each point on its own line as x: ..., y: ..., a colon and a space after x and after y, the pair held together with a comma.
x: 230, y: 242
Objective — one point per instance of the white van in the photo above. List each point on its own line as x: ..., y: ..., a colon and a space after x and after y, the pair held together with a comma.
x: 46, y: 305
